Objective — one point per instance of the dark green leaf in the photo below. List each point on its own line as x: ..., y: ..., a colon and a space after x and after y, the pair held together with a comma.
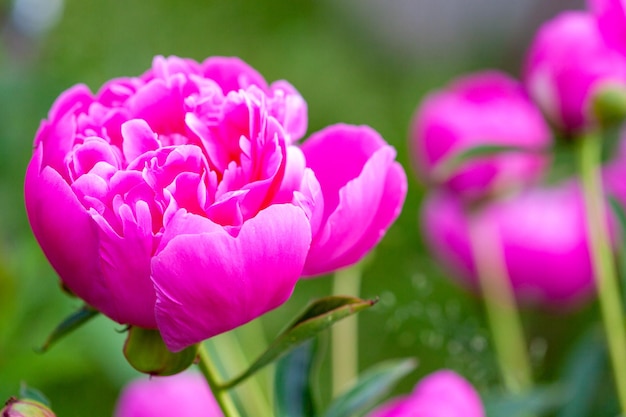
x: 373, y: 385
x: 292, y: 382
x: 30, y: 393
x: 536, y: 402
x: 582, y: 374
x: 319, y: 315
x: 448, y: 166
x: 71, y: 323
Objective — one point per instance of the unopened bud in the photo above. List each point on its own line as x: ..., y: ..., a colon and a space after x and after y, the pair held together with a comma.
x: 146, y: 352
x: 25, y: 408
x: 609, y: 104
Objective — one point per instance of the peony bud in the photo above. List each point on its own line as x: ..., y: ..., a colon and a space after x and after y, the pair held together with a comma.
x: 441, y: 394
x: 567, y: 64
x: 145, y: 350
x: 488, y: 108
x: 25, y: 408
x: 543, y: 236
x: 609, y: 104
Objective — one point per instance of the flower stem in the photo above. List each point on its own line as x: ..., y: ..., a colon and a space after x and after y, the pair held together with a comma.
x: 501, y: 307
x: 344, y: 335
x: 221, y: 395
x: 590, y: 147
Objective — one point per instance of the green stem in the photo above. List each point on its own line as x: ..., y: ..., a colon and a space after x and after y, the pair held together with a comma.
x: 210, y: 374
x: 501, y: 307
x: 602, y: 258
x: 344, y: 334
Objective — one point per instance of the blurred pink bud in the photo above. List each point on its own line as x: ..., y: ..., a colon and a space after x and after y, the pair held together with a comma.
x: 182, y: 395
x: 441, y: 394
x: 487, y: 108
x: 611, y: 17
x: 567, y: 64
x: 543, y: 239
x: 180, y: 201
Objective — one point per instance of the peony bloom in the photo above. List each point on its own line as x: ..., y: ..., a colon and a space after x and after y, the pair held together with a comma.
x: 567, y: 64
x: 487, y: 108
x: 179, y: 200
x: 543, y: 238
x: 611, y: 17
x: 441, y: 394
x: 182, y: 395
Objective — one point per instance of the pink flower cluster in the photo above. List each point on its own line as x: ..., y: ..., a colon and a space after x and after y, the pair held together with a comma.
x: 541, y: 230
x: 180, y: 199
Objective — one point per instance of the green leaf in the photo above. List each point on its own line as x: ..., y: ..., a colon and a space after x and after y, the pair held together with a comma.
x: 371, y: 387
x: 582, y: 374
x: 30, y: 393
x: 292, y: 382
x: 448, y: 166
x: 71, y: 323
x: 536, y: 402
x: 319, y: 315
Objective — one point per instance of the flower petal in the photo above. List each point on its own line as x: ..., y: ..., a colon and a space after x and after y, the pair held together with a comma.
x: 209, y: 283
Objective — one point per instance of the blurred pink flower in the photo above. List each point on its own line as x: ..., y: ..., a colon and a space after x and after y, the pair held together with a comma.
x: 182, y: 395
x: 611, y: 17
x: 441, y: 394
x: 486, y: 108
x: 568, y: 62
x: 543, y: 239
x: 179, y: 200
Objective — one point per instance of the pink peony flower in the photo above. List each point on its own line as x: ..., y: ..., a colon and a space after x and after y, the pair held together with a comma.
x: 611, y: 17
x: 441, y: 394
x: 487, y: 108
x: 543, y: 238
x: 182, y: 395
x: 179, y: 200
x: 567, y: 64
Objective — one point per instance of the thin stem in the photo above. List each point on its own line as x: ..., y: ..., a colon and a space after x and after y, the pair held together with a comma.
x: 210, y: 374
x: 345, y: 334
x: 233, y: 357
x: 501, y: 307
x: 602, y: 258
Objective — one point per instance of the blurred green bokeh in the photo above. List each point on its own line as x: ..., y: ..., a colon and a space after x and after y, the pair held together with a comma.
x: 347, y: 73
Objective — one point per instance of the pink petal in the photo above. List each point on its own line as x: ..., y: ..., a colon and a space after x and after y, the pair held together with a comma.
x: 209, y: 283
x: 138, y: 139
x: 182, y: 395
x: 361, y: 197
x: 232, y: 74
x: 65, y: 232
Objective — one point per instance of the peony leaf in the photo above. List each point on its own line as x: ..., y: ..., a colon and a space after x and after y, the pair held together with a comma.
x: 71, y: 323
x: 318, y: 316
x: 583, y: 374
x: 30, y: 393
x: 372, y: 386
x: 446, y: 168
x: 293, y: 396
x: 537, y: 402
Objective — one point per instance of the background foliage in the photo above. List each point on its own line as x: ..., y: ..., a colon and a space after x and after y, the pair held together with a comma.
x: 350, y: 68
